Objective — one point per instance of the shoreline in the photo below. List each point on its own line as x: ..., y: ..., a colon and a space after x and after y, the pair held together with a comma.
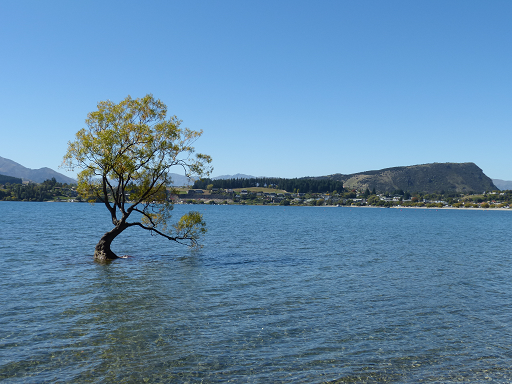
x: 401, y: 207
x: 308, y: 206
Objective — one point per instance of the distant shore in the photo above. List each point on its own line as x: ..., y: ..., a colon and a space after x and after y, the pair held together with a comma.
x: 310, y: 206
x: 429, y: 208
x: 394, y: 207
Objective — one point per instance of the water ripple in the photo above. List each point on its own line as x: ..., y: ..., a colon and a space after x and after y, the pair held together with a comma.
x: 295, y: 295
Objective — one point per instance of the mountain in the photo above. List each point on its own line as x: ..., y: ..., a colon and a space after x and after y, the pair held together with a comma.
x: 426, y: 178
x: 11, y: 168
x: 237, y: 176
x: 180, y: 180
x: 502, y: 184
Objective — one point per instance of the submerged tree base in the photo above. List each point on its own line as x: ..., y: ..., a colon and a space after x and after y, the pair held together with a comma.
x: 103, y: 257
x: 102, y: 252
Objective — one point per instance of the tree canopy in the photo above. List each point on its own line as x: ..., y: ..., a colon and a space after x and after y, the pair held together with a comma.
x: 305, y: 184
x: 125, y: 155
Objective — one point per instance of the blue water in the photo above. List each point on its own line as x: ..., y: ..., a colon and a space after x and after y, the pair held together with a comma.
x: 279, y: 295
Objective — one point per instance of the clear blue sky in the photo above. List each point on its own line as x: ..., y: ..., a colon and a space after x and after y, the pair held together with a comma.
x: 280, y: 88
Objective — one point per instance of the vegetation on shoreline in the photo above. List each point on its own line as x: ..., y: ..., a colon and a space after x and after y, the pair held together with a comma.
x: 251, y: 196
x: 305, y: 185
x: 51, y: 190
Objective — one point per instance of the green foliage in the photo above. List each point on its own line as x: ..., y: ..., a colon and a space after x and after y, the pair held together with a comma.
x: 304, y: 185
x: 190, y: 226
x: 125, y: 155
x: 46, y: 191
x: 373, y: 200
x: 9, y: 179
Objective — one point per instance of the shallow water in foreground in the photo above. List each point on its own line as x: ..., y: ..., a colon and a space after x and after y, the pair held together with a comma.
x: 283, y: 295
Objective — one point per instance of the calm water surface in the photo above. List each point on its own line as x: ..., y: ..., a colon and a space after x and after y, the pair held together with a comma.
x: 276, y: 295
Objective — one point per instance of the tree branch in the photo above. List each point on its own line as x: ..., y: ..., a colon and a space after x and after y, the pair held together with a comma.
x: 111, y: 209
x: 176, y: 238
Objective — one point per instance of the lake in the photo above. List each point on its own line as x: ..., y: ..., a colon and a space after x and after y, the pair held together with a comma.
x: 276, y: 295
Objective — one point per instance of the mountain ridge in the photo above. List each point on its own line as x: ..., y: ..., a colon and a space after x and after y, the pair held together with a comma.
x: 433, y: 177
x: 428, y: 178
x: 11, y: 168
x: 235, y: 176
x: 502, y: 184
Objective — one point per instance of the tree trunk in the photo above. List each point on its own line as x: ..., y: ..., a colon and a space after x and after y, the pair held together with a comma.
x: 102, y: 252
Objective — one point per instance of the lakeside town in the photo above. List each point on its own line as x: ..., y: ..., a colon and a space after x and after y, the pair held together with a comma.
x: 51, y: 190
x: 266, y: 196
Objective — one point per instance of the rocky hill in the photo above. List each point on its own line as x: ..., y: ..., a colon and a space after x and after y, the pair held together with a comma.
x: 426, y: 178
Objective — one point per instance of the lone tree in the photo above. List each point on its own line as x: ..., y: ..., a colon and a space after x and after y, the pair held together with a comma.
x: 125, y: 154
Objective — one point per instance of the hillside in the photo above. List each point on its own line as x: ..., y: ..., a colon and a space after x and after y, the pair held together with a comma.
x: 180, y: 180
x: 11, y: 168
x: 502, y: 184
x: 236, y: 176
x: 427, y: 178
x: 9, y: 179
